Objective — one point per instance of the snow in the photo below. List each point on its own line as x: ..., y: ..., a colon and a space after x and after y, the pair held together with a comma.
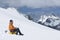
x: 43, y: 18
x: 31, y: 30
x: 54, y: 20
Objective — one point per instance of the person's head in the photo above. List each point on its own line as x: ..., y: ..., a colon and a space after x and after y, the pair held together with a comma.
x: 11, y: 22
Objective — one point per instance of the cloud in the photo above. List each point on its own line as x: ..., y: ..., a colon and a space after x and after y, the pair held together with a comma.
x: 40, y: 3
x: 30, y: 3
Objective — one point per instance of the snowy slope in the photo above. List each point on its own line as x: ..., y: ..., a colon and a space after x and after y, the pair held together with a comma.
x: 31, y: 30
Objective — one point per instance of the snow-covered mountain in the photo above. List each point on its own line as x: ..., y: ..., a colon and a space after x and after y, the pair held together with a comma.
x: 50, y: 20
x: 31, y: 30
x: 43, y: 18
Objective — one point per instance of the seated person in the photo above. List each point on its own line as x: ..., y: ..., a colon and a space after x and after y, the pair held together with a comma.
x: 14, y: 29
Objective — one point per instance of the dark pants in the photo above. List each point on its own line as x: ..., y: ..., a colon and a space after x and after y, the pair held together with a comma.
x: 17, y: 31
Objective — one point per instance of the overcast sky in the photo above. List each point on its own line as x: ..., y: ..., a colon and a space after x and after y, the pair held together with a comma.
x: 30, y: 3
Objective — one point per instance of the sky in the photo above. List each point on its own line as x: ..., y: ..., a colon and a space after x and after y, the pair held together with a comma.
x: 30, y: 3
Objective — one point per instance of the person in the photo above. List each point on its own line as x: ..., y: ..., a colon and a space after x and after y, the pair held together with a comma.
x: 14, y: 29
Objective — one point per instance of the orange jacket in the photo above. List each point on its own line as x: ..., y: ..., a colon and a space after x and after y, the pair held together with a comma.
x: 11, y: 27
